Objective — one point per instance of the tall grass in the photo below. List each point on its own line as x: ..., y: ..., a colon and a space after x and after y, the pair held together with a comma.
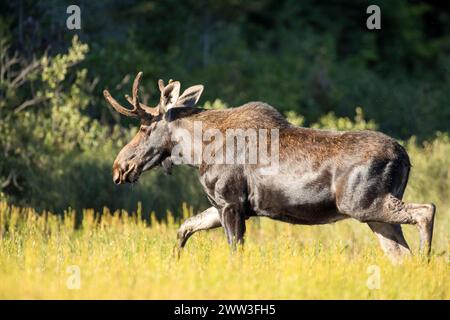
x: 119, y: 256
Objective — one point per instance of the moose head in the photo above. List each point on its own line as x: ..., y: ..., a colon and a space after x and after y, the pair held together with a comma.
x: 151, y: 146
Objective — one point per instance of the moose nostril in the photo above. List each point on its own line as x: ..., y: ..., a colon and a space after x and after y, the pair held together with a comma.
x: 116, y: 176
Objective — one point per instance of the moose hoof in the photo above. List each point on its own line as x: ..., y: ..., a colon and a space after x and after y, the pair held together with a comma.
x: 183, y: 235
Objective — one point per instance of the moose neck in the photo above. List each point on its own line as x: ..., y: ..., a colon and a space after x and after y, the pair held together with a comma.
x: 187, y: 128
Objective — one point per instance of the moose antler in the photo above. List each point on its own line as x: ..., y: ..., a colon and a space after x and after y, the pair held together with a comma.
x: 139, y: 110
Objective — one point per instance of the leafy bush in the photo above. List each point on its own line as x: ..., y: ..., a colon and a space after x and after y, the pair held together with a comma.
x: 56, y: 156
x: 330, y: 121
x: 430, y: 173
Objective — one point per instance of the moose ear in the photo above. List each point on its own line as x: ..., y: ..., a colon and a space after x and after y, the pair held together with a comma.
x: 169, y: 95
x: 190, y: 96
x: 161, y: 85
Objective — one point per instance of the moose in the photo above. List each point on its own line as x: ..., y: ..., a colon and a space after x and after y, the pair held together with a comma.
x: 322, y: 177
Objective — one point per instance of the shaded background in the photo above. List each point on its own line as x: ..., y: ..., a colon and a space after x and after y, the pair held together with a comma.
x: 315, y: 61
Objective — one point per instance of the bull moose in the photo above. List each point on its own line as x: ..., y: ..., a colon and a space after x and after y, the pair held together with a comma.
x: 322, y: 176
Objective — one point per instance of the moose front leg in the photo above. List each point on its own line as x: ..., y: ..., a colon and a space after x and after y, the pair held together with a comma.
x: 208, y: 219
x: 233, y: 221
x: 226, y: 187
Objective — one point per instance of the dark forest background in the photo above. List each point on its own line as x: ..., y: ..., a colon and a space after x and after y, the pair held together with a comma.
x: 315, y: 61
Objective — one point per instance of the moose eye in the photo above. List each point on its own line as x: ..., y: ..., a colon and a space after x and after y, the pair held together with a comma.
x: 144, y: 130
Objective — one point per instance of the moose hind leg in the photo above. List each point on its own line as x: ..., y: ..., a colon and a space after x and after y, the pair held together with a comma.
x: 391, y: 240
x: 208, y: 219
x: 395, y: 211
x: 425, y: 224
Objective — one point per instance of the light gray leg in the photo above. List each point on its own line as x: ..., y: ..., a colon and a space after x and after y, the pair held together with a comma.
x: 392, y: 210
x: 422, y: 215
x: 391, y: 240
x: 208, y: 219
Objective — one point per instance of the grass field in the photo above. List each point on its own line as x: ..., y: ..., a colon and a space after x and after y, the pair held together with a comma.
x: 122, y: 257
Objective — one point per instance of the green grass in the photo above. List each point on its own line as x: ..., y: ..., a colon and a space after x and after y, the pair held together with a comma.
x: 121, y: 257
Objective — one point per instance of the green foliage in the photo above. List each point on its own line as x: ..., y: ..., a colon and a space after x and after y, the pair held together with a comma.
x: 41, y: 140
x: 58, y: 134
x: 55, y: 70
x: 430, y: 173
x: 294, y: 118
x: 330, y: 121
x: 216, y: 104
x: 57, y: 156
